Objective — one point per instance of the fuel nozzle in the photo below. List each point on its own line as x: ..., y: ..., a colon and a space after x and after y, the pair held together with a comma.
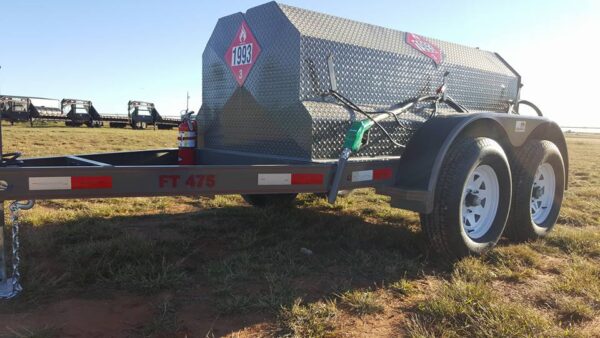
x: 442, y: 89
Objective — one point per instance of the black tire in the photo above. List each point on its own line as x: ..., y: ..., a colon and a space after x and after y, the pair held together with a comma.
x: 521, y: 226
x: 139, y: 125
x: 445, y: 225
x: 117, y: 125
x: 270, y: 200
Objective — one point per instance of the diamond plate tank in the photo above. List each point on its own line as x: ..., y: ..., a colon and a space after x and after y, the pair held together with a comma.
x: 264, y: 73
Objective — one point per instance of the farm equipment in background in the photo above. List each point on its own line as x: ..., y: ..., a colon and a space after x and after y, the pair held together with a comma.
x: 296, y: 101
x: 15, y: 109
x: 80, y: 112
x: 76, y: 113
x: 23, y: 109
x: 140, y: 115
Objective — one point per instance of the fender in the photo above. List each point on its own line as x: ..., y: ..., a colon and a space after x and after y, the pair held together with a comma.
x: 421, y: 162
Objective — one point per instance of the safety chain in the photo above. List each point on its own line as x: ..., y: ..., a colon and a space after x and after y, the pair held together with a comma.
x: 16, y: 246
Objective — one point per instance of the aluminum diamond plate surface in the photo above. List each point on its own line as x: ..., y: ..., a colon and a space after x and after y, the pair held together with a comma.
x: 280, y: 110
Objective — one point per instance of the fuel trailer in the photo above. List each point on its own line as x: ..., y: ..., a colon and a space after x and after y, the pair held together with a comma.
x: 296, y: 101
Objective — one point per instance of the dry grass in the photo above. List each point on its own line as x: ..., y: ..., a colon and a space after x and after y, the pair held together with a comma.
x: 361, y: 302
x: 464, y: 309
x: 229, y: 268
x: 313, y: 320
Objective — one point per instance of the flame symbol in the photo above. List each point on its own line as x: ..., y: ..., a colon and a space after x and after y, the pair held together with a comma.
x: 243, y: 34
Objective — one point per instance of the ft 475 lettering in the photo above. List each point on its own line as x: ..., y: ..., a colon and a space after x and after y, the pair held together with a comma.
x: 191, y: 181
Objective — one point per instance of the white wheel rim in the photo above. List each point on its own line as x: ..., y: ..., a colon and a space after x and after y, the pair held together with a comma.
x: 479, y: 202
x: 542, y: 193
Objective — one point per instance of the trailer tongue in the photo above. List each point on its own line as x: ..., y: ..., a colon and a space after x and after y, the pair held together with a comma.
x: 296, y: 101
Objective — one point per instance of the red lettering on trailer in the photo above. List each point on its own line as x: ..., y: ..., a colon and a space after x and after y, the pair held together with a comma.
x: 91, y: 182
x: 192, y: 181
x: 200, y: 181
x: 165, y: 180
x: 211, y: 181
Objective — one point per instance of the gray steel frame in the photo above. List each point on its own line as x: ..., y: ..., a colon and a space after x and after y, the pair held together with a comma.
x: 163, y: 177
x: 156, y: 173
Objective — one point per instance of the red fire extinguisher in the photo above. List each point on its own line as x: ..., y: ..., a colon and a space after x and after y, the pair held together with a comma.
x: 187, y: 140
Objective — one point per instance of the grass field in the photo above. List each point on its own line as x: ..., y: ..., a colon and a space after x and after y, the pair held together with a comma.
x: 196, y: 267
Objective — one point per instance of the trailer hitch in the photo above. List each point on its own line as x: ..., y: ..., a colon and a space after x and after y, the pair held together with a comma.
x: 11, y: 159
x: 10, y: 287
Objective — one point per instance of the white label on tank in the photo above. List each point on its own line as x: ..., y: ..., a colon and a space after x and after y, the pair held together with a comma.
x: 520, y: 126
x: 274, y: 179
x: 50, y: 183
x: 361, y: 176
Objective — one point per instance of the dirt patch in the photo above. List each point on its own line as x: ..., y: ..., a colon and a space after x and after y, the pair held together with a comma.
x: 75, y: 317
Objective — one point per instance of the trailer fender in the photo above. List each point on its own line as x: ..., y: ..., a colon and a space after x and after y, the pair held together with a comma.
x: 422, y: 161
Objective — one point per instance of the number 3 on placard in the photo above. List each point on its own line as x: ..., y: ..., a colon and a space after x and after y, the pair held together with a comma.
x: 241, y: 74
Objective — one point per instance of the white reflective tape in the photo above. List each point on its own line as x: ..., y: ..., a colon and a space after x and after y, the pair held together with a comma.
x: 187, y: 143
x: 361, y: 176
x: 274, y: 179
x: 183, y: 134
x: 50, y: 183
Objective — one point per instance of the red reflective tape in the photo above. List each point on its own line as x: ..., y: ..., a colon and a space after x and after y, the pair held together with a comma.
x: 301, y: 179
x: 91, y: 182
x: 382, y: 174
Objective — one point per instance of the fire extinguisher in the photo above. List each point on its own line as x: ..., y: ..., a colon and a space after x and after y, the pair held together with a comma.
x: 187, y: 140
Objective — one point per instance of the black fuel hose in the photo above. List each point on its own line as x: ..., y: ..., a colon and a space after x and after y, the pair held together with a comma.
x: 399, y: 109
x: 530, y: 104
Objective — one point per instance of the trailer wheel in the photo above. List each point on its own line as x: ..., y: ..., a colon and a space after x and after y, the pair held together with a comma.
x: 117, y: 125
x: 270, y: 200
x: 539, y: 184
x: 472, y: 199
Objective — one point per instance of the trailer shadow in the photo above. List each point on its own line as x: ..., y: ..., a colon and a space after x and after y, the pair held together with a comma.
x: 220, y: 269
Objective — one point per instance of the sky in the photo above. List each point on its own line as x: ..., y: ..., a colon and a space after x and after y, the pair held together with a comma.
x: 112, y: 51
